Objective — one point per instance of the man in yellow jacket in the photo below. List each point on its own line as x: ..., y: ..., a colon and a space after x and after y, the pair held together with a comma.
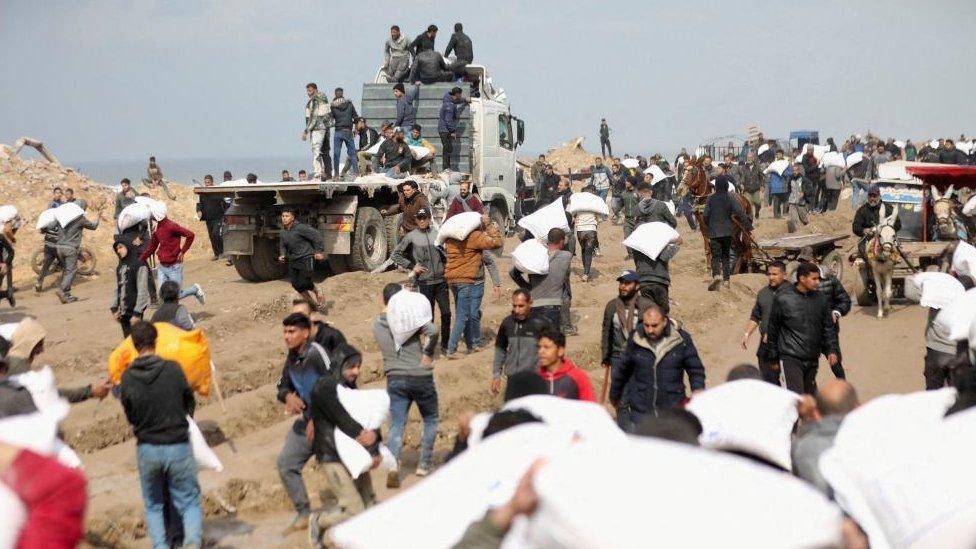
x: 465, y: 275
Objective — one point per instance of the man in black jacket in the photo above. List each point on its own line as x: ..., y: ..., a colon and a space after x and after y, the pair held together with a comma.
x: 721, y: 212
x: 157, y: 400
x: 418, y: 252
x: 393, y: 157
x: 461, y: 45
x: 368, y: 137
x: 211, y: 209
x: 516, y: 345
x: 621, y: 316
x: 300, y: 245
x: 328, y: 414
x: 305, y: 364
x: 838, y: 303
x: 424, y: 41
x: 546, y: 188
x: 344, y: 117
x: 800, y: 328
x: 869, y: 215
x: 949, y: 154
x: 759, y: 318
x: 322, y: 333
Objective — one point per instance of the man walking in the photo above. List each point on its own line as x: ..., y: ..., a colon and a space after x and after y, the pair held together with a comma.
x: 465, y: 274
x: 800, y: 327
x: 317, y: 119
x: 654, y: 276
x: 68, y: 247
x: 621, y: 316
x: 752, y: 182
x: 564, y: 378
x: 157, y: 400
x: 300, y: 245
x: 465, y: 201
x: 547, y: 290
x: 779, y: 189
x: 172, y: 241
x: 418, y: 253
x: 211, y: 210
x: 463, y: 50
x: 628, y: 209
x: 447, y: 124
x: 651, y: 377
x: 618, y: 180
x: 759, y: 318
x: 305, y: 364
x: 344, y: 117
x: 721, y: 212
x: 516, y: 345
x: 600, y: 177
x: 409, y: 203
x: 396, y: 56
x: 605, y: 149
x: 409, y: 379
x: 52, y: 234
x: 802, y: 189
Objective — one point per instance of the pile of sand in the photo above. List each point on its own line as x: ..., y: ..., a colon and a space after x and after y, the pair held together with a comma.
x: 570, y: 157
x: 27, y: 185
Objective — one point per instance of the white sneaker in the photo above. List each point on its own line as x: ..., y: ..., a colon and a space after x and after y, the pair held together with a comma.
x: 198, y: 292
x: 422, y: 471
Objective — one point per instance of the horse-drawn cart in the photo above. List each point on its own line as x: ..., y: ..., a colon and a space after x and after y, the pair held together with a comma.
x: 823, y: 249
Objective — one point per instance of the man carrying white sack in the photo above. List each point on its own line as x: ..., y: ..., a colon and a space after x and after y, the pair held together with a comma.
x: 409, y: 373
x: 465, y: 274
x: 547, y: 290
x: 68, y: 246
x: 352, y: 495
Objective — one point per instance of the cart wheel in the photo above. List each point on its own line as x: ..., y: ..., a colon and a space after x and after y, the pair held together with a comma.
x: 862, y: 290
x: 835, y: 263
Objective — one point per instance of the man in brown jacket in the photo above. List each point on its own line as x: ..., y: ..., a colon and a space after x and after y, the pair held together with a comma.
x: 411, y: 200
x: 465, y: 274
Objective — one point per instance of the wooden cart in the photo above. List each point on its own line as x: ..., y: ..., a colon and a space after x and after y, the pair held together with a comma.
x: 824, y: 248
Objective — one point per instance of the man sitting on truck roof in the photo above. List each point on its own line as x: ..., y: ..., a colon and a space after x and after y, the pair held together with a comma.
x: 460, y: 43
x: 396, y: 56
x: 410, y: 201
x: 429, y: 68
x: 368, y: 137
x: 415, y: 140
x: 424, y: 41
x: 393, y: 157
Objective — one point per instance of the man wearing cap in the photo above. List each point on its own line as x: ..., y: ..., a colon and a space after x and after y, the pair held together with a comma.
x: 621, y: 316
x: 393, y: 157
x: 447, y: 123
x: 868, y: 216
x: 418, y: 253
x: 411, y: 201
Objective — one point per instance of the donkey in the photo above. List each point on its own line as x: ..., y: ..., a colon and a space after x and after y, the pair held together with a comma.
x: 882, y: 256
x: 950, y: 224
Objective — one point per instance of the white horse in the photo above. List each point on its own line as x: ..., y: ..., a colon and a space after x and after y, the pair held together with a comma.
x: 882, y: 255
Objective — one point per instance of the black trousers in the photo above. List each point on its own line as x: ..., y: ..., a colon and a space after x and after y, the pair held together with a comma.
x: 769, y: 369
x: 300, y: 274
x: 658, y: 293
x: 780, y: 204
x: 588, y: 242
x: 937, y: 372
x: 801, y: 375
x: 439, y: 293
x: 605, y: 147
x: 50, y: 256
x: 831, y: 196
x: 721, y: 256
x: 126, y: 322
x: 216, y: 240
x: 447, y: 145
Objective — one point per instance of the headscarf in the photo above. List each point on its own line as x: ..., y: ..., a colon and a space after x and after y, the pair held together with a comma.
x: 131, y: 258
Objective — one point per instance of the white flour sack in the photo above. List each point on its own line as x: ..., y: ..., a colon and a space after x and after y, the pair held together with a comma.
x: 779, y: 166
x: 854, y: 159
x: 833, y: 158
x: 900, y: 468
x: 587, y: 420
x: 748, y: 415
x: 202, y: 453
x: 543, y: 219
x: 587, y: 202
x: 964, y: 259
x: 68, y: 212
x: 369, y: 408
x: 406, y: 313
x: 458, y: 227
x: 650, y: 238
x: 133, y: 214
x: 956, y: 318
x: 157, y: 209
x: 7, y: 213
x: 642, y: 493
x: 435, y: 513
x: 46, y: 219
x: 936, y: 290
x: 421, y: 152
x: 531, y: 257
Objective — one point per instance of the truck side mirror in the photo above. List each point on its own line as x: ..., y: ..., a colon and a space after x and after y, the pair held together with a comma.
x: 519, y: 131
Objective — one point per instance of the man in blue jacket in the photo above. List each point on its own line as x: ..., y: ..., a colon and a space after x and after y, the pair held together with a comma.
x: 650, y: 378
x: 447, y: 123
x: 779, y: 188
x: 406, y: 110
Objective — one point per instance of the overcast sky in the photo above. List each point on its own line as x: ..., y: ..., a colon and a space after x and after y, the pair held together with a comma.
x: 119, y: 79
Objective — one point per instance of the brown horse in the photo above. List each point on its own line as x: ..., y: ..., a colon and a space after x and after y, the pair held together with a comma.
x: 695, y: 182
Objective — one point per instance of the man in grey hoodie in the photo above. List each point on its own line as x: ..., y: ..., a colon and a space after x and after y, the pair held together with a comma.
x: 409, y: 378
x: 396, y: 56
x: 549, y: 289
x: 418, y: 253
x: 344, y: 116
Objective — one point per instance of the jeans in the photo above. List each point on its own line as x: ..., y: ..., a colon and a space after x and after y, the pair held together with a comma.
x: 602, y: 193
x: 338, y: 138
x: 172, y: 466
x: 447, y: 142
x: 292, y: 459
x: 550, y: 313
x: 68, y: 257
x: 403, y: 391
x: 439, y: 293
x: 721, y: 256
x: 467, y: 308
x: 216, y: 240
x: 50, y: 256
x: 173, y: 272
x: 317, y: 138
x: 800, y: 375
x: 587, y: 240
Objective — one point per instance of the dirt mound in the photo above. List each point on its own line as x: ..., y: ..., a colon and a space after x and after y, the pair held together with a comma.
x: 570, y: 157
x: 27, y: 184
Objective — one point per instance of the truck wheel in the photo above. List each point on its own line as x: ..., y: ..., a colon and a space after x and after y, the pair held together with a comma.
x: 264, y: 260
x: 835, y: 263
x: 338, y: 264
x: 369, y: 245
x: 242, y: 263
x: 862, y: 292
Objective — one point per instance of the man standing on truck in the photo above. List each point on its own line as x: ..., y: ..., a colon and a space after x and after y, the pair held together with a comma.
x: 317, y: 115
x: 411, y: 201
x: 396, y: 56
x: 300, y: 245
x: 406, y: 110
x: 344, y: 116
x: 605, y: 149
x: 447, y: 124
x: 460, y: 43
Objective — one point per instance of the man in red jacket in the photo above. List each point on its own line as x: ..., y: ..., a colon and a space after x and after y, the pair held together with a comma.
x: 170, y: 241
x: 564, y: 379
x: 464, y: 201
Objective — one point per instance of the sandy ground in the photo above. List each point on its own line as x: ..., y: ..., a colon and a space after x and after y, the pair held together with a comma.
x: 243, y: 320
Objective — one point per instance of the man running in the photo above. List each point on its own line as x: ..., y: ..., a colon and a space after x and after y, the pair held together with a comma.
x: 300, y: 245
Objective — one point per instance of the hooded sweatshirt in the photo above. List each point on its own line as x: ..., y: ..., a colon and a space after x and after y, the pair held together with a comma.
x: 343, y: 113
x: 131, y: 284
x: 157, y: 398
x: 328, y: 413
x: 405, y: 361
x: 569, y: 381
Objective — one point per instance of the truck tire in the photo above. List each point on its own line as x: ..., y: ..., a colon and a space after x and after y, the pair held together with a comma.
x: 242, y: 263
x: 862, y: 292
x: 369, y: 245
x: 264, y: 260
